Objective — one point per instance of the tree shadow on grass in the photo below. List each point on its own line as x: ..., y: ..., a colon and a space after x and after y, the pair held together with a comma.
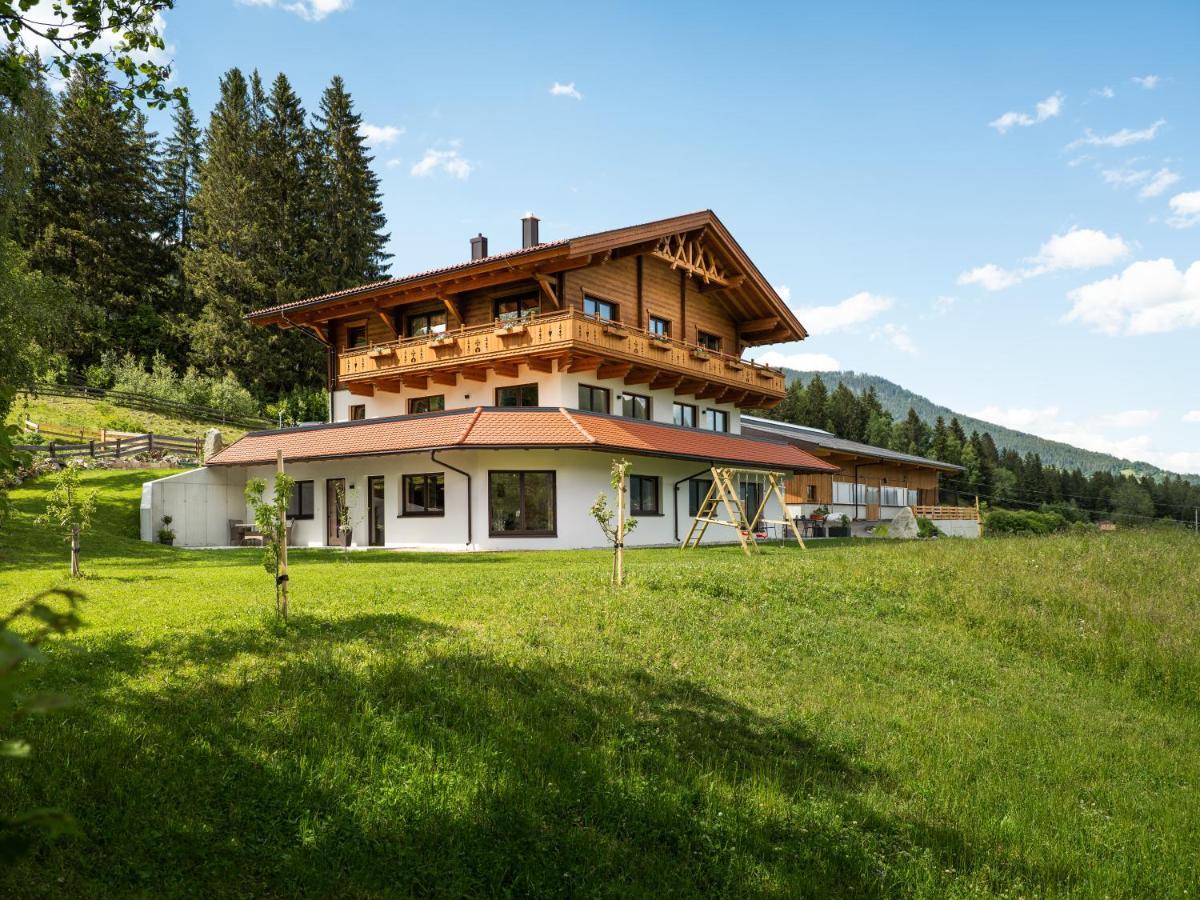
x: 376, y: 755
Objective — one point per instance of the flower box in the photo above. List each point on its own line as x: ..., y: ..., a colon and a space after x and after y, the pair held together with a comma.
x: 614, y: 330
x: 377, y: 352
x: 660, y: 343
x: 443, y: 340
x: 701, y: 354
x: 510, y: 328
x: 734, y: 365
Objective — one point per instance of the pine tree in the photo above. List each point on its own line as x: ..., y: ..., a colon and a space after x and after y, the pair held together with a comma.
x: 289, y: 195
x: 842, y: 414
x: 179, y: 181
x: 912, y: 435
x: 789, y: 408
x: 350, y: 213
x: 26, y: 125
x: 814, y: 412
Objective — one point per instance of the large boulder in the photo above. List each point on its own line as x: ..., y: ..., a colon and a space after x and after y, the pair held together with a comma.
x: 213, y: 443
x: 904, y: 525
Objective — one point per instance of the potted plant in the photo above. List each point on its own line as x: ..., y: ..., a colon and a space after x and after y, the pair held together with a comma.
x: 842, y: 529
x: 660, y: 342
x: 701, y: 354
x: 442, y: 340
x: 819, y: 514
x: 510, y: 326
x: 165, y: 534
x: 376, y: 352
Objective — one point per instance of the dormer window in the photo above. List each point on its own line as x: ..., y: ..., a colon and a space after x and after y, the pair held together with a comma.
x: 510, y: 308
x: 356, y: 335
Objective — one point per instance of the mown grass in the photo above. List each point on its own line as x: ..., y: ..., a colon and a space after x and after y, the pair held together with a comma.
x: 1012, y: 716
x: 76, y: 412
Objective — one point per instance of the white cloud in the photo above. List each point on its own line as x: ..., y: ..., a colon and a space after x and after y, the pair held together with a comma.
x: 379, y: 135
x: 1122, y: 138
x: 784, y: 292
x: 1149, y: 297
x: 1153, y: 183
x: 1106, y: 92
x: 565, y: 90
x: 1079, y: 248
x: 1192, y: 416
x: 898, y: 337
x: 310, y: 10
x: 1017, y: 417
x: 1149, y: 82
x: 1046, y: 109
x: 448, y: 162
x: 1163, y: 179
x: 855, y: 310
x: 1185, y: 210
x: 394, y: 162
x: 990, y: 277
x: 943, y: 304
x: 802, y: 362
x: 1130, y: 418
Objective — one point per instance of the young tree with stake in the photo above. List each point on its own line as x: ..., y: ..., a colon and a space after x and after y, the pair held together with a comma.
x: 69, y: 510
x: 615, y: 532
x: 270, y: 518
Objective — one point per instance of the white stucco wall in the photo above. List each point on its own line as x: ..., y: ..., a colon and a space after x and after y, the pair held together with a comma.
x: 200, y: 503
x: 957, y: 527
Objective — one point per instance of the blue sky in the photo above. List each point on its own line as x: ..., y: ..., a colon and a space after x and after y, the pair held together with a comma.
x: 994, y: 206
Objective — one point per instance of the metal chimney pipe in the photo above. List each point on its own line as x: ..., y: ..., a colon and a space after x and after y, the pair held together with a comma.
x: 478, y: 247
x: 529, y: 231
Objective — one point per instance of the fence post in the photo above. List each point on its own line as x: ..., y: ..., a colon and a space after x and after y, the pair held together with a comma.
x: 92, y: 449
x: 52, y: 449
x: 149, y: 442
x: 118, y: 448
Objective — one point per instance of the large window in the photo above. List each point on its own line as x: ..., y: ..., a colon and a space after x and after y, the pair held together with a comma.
x: 517, y: 395
x: 423, y: 495
x: 635, y: 406
x: 843, y: 493
x: 521, y: 504
x: 422, y: 324
x: 358, y: 411
x: 716, y: 420
x: 300, y: 504
x: 660, y: 327
x: 698, y: 489
x: 684, y: 414
x: 593, y: 399
x: 510, y: 308
x: 600, y: 309
x: 644, y: 491
x: 356, y: 335
x: 432, y: 403
x: 709, y: 341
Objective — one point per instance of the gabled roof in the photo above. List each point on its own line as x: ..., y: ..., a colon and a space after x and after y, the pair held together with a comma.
x: 825, y: 440
x: 485, y: 428
x: 752, y: 291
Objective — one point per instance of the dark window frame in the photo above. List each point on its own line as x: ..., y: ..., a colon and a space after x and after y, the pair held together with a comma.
x: 616, y: 308
x: 428, y: 314
x: 430, y: 397
x: 422, y: 514
x: 298, y: 497
x: 651, y: 319
x: 553, y: 533
x: 355, y: 408
x: 350, y: 328
x: 708, y: 341
x: 593, y: 388
x: 635, y: 507
x: 695, y: 414
x: 522, y: 312
x: 627, y: 395
x: 696, y: 494
x: 724, y: 414
x: 516, y: 387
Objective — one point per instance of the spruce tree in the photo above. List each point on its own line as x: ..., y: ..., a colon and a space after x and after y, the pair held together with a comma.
x: 815, y: 410
x: 289, y: 195
x: 350, y: 210
x: 179, y: 181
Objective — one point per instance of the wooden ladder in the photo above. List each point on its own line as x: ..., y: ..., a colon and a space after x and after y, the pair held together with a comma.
x: 722, y: 492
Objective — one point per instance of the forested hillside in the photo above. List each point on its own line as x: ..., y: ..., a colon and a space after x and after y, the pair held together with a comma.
x: 897, y: 401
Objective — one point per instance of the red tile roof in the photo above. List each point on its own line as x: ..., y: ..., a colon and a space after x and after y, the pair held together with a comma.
x: 491, y: 428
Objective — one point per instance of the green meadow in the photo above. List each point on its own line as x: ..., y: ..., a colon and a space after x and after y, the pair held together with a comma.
x: 1011, y: 716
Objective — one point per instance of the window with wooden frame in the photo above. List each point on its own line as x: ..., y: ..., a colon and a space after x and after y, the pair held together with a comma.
x: 510, y: 308
x: 423, y: 495
x: 644, y: 494
x: 423, y: 324
x: 522, y: 504
x: 684, y: 414
x: 358, y: 411
x: 593, y: 398
x: 635, y: 406
x: 517, y: 395
x: 659, y: 327
x: 709, y: 341
x: 300, y: 503
x: 356, y: 335
x: 604, y: 310
x: 432, y: 403
x: 716, y: 420
x: 812, y: 493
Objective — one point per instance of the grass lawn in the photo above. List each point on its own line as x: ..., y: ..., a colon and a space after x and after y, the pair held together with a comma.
x: 77, y: 412
x: 1006, y: 716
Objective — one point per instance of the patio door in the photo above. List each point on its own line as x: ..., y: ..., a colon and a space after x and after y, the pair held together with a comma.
x: 751, y: 496
x: 334, y: 537
x: 375, y: 510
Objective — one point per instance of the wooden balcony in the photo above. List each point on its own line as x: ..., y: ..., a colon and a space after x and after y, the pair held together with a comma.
x: 577, y: 342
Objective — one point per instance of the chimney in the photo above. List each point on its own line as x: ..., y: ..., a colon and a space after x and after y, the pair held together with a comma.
x: 529, y: 231
x: 478, y: 247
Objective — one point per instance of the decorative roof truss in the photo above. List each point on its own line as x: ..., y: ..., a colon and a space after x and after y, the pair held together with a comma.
x: 687, y: 251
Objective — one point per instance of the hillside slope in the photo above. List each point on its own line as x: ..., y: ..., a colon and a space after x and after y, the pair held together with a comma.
x: 897, y: 400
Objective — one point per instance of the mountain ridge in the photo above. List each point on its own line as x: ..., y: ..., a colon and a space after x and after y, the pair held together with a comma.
x: 897, y: 400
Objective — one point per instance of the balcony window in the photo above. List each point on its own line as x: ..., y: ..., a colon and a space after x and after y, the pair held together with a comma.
x: 432, y: 403
x: 356, y: 336
x: 716, y: 420
x: 423, y: 324
x: 424, y: 495
x: 521, y: 504
x: 517, y: 395
x: 600, y: 309
x: 644, y: 491
x: 517, y: 308
x: 300, y: 503
x: 635, y: 406
x: 660, y: 327
x: 358, y: 411
x: 684, y: 414
x: 709, y: 341
x: 594, y: 399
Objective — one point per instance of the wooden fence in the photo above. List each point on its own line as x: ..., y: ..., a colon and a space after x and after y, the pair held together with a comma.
x: 962, y: 513
x: 117, y: 447
x: 152, y: 404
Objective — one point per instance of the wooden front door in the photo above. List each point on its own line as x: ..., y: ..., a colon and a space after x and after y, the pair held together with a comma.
x: 334, y: 537
x: 375, y: 510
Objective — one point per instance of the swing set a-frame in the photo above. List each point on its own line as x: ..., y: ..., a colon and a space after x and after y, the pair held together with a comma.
x: 724, y: 494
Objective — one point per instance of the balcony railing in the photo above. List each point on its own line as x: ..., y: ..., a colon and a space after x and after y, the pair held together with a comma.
x: 567, y: 331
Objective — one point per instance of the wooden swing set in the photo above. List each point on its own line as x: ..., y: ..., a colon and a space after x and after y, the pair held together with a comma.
x: 724, y: 493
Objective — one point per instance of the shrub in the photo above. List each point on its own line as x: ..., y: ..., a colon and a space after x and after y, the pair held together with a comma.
x: 124, y: 423
x: 926, y: 529
x: 1011, y: 521
x: 193, y: 388
x: 300, y: 404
